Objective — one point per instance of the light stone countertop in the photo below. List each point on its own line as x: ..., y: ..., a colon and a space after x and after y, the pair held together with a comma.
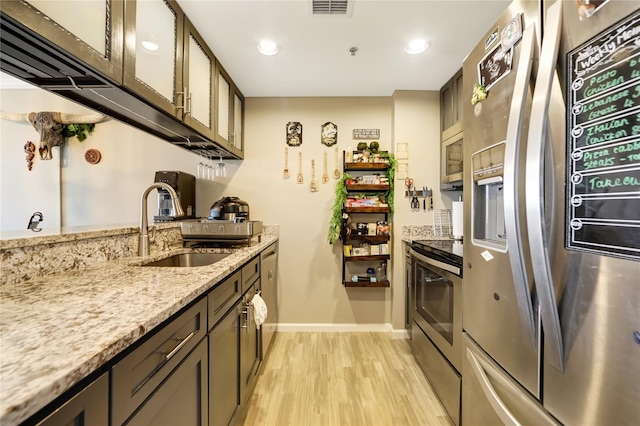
x: 57, y: 329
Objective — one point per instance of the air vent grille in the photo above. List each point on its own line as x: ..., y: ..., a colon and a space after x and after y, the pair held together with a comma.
x: 330, y: 7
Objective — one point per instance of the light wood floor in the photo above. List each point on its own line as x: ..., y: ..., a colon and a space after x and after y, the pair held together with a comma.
x: 342, y: 379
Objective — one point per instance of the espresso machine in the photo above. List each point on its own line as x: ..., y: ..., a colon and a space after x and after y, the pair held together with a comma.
x: 185, y: 186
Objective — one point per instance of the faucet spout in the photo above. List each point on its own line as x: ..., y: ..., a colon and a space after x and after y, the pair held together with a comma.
x: 143, y: 239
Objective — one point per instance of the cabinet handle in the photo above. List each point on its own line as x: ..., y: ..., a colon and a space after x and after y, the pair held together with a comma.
x: 247, y: 311
x: 187, y: 103
x: 186, y: 97
x: 180, y: 106
x: 179, y: 346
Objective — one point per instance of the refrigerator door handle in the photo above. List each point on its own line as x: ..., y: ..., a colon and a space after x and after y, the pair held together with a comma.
x: 538, y: 135
x: 511, y: 187
x: 497, y: 404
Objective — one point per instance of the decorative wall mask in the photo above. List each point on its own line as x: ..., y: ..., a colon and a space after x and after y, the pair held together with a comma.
x: 329, y: 133
x: 294, y: 133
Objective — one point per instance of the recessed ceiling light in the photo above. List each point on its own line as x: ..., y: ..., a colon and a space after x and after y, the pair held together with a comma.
x: 268, y: 47
x: 416, y: 46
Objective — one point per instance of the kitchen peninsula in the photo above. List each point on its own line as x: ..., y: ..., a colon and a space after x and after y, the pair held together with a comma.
x: 58, y: 329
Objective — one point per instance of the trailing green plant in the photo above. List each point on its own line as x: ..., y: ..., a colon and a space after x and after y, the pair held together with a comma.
x: 335, y: 224
x: 391, y: 173
x: 78, y: 130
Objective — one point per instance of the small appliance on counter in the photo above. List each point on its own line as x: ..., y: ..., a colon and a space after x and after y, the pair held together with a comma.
x: 228, y: 225
x: 229, y: 208
x: 220, y: 233
x: 185, y: 186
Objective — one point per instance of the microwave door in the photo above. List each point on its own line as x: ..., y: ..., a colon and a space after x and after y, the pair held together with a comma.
x: 451, y: 162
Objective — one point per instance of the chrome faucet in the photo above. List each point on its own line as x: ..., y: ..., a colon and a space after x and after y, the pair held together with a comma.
x: 143, y: 240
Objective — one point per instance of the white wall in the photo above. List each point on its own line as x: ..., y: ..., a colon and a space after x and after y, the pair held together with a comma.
x: 417, y: 123
x: 71, y: 192
x: 310, y: 269
x: 23, y: 192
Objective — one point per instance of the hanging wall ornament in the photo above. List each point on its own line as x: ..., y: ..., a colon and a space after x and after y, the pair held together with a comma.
x: 336, y: 171
x: 329, y: 134
x: 92, y: 156
x: 285, y: 173
x: 294, y: 133
x: 325, y: 172
x: 30, y: 149
x: 313, y: 186
x: 300, y: 178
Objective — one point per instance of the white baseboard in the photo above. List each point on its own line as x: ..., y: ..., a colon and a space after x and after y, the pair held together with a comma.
x: 342, y: 328
x: 400, y: 333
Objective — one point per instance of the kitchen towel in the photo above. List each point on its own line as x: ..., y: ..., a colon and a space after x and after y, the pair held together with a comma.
x: 259, y: 309
x: 456, y: 219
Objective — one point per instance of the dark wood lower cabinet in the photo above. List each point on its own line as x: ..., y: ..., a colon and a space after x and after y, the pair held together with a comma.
x: 88, y: 408
x: 224, y: 366
x: 180, y: 374
x: 249, y: 349
x: 183, y: 398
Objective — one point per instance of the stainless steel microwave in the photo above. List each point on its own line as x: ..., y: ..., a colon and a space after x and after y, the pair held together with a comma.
x: 451, y: 164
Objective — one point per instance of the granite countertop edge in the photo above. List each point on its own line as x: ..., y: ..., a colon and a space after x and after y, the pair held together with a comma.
x: 58, y: 329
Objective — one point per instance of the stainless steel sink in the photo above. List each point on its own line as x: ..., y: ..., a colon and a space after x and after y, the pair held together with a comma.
x: 188, y: 260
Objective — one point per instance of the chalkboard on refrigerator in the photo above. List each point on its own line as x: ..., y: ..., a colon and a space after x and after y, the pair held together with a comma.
x: 603, y: 142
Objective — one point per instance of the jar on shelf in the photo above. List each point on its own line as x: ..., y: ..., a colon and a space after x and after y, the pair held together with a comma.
x: 381, y: 272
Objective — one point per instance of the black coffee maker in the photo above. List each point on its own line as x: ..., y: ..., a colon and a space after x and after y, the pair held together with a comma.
x: 185, y: 186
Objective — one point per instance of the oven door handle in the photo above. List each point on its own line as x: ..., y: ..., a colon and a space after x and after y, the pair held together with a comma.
x: 426, y: 260
x: 432, y: 280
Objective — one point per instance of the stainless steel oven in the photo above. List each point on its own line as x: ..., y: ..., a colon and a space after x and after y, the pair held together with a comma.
x: 436, y: 305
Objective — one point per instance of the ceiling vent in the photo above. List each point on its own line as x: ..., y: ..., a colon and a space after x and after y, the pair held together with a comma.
x: 331, y: 7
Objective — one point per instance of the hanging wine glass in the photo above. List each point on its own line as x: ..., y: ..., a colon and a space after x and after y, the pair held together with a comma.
x: 221, y: 168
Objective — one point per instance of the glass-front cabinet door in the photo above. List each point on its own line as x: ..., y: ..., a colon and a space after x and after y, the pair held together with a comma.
x: 223, y: 112
x: 237, y: 134
x: 154, y: 41
x: 199, y: 64
x: 229, y: 113
x: 93, y: 33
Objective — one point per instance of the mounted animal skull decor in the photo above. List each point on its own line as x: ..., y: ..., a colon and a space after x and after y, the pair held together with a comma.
x: 50, y: 126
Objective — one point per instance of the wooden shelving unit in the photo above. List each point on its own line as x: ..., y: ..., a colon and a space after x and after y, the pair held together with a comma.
x: 368, y: 215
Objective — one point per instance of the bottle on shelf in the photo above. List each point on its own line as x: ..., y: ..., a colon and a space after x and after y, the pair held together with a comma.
x: 381, y: 272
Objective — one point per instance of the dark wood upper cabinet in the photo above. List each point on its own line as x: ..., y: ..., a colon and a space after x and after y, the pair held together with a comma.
x: 199, y: 85
x: 229, y: 107
x: 144, y: 61
x: 96, y: 39
x: 236, y: 143
x: 451, y: 106
x: 153, y: 53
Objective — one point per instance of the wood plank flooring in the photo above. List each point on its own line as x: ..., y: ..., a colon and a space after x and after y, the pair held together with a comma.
x: 342, y: 379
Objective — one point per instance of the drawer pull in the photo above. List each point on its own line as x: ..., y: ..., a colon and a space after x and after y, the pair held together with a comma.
x: 167, y: 357
x: 179, y: 346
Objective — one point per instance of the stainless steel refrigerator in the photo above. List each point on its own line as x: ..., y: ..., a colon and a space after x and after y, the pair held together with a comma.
x: 551, y: 292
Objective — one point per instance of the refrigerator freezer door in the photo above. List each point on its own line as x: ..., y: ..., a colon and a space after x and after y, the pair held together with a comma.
x: 596, y: 298
x: 491, y: 309
x: 491, y: 397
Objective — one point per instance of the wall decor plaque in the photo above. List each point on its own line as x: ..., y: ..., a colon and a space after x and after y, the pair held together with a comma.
x: 329, y: 134
x: 366, y: 133
x: 294, y: 133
